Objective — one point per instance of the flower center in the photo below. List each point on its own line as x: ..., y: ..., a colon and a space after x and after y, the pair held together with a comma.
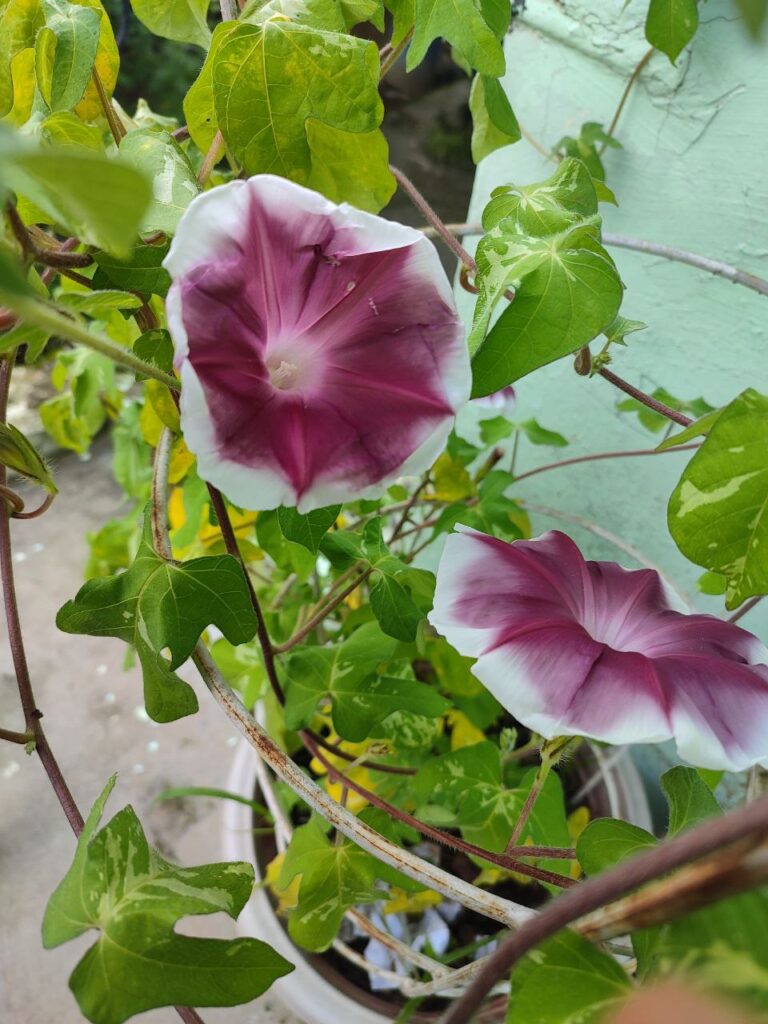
x: 284, y: 375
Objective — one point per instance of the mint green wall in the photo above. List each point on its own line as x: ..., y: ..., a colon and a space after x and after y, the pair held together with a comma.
x: 693, y: 173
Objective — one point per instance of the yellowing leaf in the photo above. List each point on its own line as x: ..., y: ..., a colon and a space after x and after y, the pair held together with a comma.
x: 463, y: 733
x: 287, y: 897
x: 181, y: 461
x: 23, y: 79
x: 358, y: 774
x: 162, y: 402
x: 151, y: 425
x: 577, y: 822
x: 451, y: 481
x: 401, y: 902
x: 106, y: 65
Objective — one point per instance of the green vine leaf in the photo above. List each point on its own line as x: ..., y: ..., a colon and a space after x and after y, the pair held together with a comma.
x: 88, y: 396
x: 174, y: 184
x: 608, y: 841
x: 689, y: 798
x: 394, y: 608
x: 465, y: 24
x: 347, y: 676
x: 700, y: 427
x: 470, y: 783
x: 99, y: 200
x: 493, y: 120
x: 156, y: 605
x: 285, y: 94
x: 543, y: 241
x: 124, y: 889
x: 69, y: 39
x: 182, y: 20
x: 584, y: 147
x: 334, y: 877
x: 198, y: 106
x: 65, y: 129
x: 718, y: 513
x: 307, y: 530
x: 142, y: 273
x: 671, y: 25
x: 566, y: 980
x: 327, y: 15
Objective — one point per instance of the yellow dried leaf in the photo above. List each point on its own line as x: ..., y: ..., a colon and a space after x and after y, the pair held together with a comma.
x: 463, y: 732
x: 402, y: 902
x: 288, y: 898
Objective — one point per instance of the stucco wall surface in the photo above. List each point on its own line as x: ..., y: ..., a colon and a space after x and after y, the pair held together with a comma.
x: 691, y: 173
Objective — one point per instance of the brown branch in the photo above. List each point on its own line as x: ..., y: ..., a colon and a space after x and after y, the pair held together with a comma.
x: 439, y: 835
x: 429, y: 214
x: 37, y: 246
x: 602, y: 455
x: 647, y: 400
x: 746, y: 607
x: 625, y: 95
x: 712, y: 835
x: 726, y: 873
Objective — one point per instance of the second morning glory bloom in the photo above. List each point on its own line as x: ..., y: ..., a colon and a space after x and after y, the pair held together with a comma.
x: 578, y: 648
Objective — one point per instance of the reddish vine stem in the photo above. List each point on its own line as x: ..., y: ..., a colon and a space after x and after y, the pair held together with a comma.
x: 625, y: 95
x: 377, y: 766
x: 602, y: 455
x: 43, y: 507
x: 640, y: 396
x: 429, y: 214
x: 268, y: 652
x: 746, y: 607
x: 445, y: 838
x: 603, y: 889
x: 230, y: 542
x: 320, y: 615
x: 51, y: 255
x: 32, y: 715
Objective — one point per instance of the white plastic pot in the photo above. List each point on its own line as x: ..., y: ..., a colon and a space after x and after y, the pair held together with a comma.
x: 305, y: 992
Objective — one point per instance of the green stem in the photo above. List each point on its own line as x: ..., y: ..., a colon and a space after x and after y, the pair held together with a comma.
x: 389, y: 59
x: 50, y: 319
x: 551, y: 752
x: 17, y: 737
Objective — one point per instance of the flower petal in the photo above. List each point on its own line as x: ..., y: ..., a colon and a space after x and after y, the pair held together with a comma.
x: 719, y: 710
x: 559, y: 682
x: 328, y: 355
x: 572, y: 647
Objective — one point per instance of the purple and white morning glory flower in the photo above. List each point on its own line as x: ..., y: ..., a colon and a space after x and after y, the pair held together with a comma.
x: 320, y: 351
x: 578, y: 648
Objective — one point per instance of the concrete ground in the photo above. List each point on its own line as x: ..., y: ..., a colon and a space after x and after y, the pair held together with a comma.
x: 95, y: 721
